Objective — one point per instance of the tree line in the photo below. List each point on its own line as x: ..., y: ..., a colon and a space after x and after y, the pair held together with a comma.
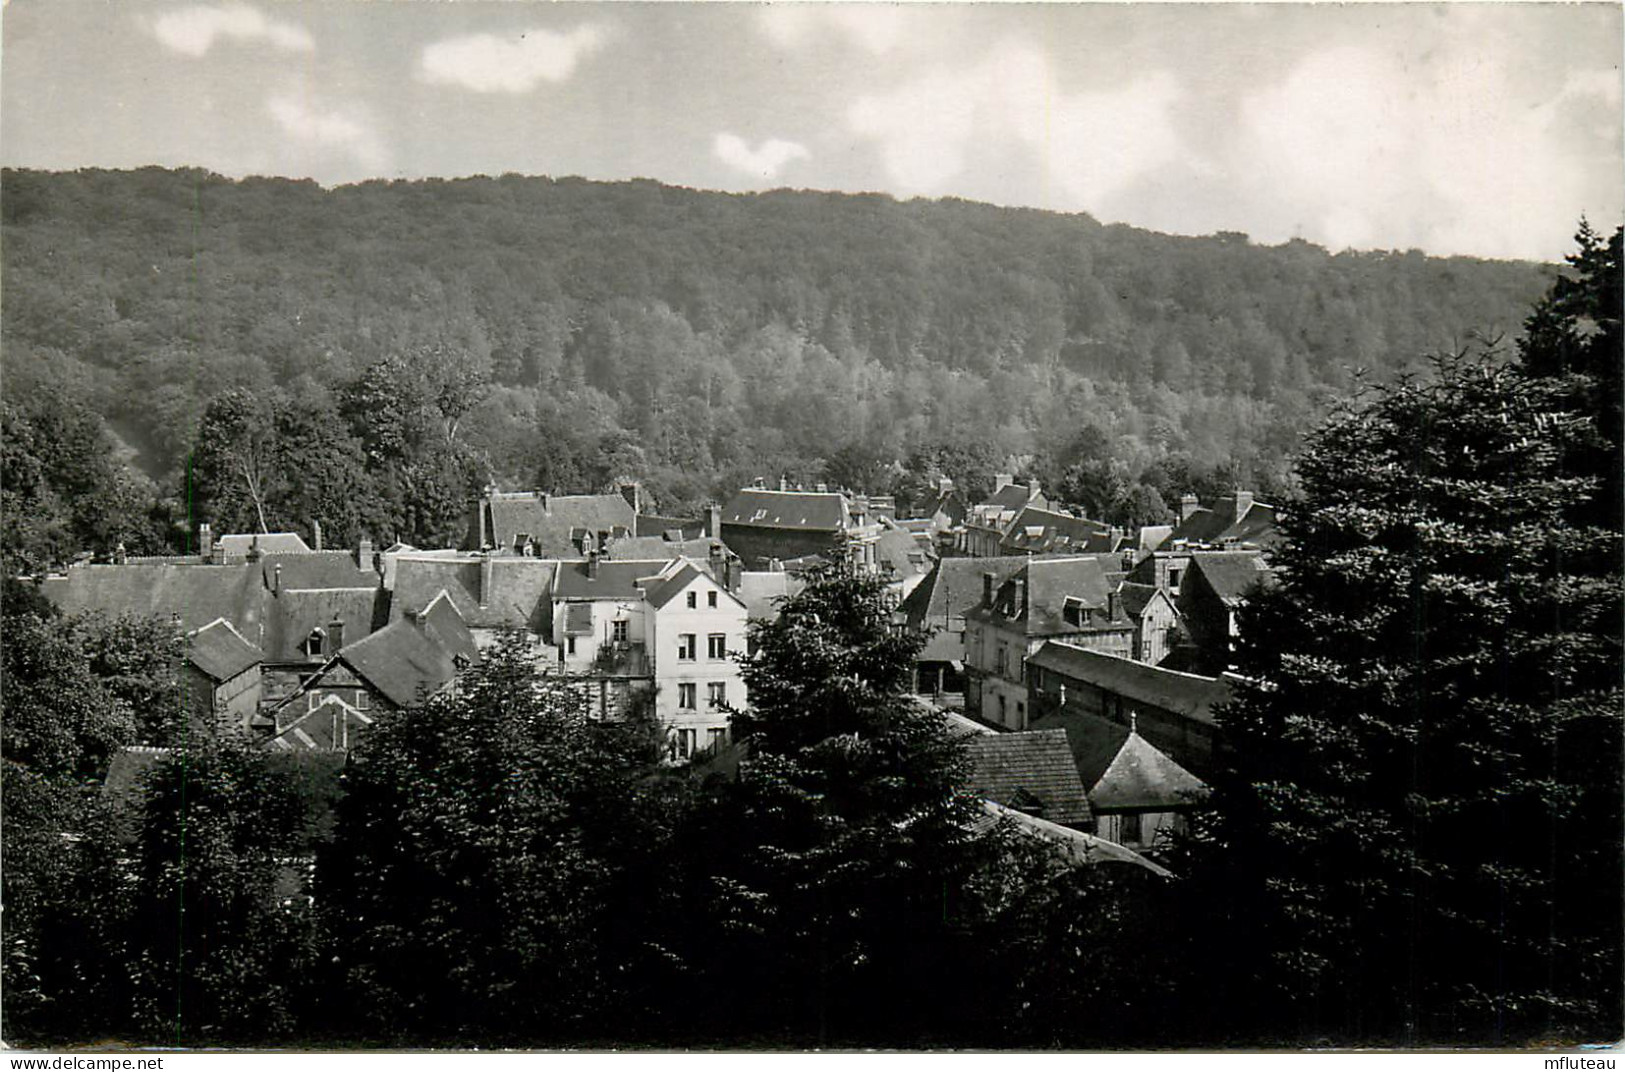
x: 693, y: 341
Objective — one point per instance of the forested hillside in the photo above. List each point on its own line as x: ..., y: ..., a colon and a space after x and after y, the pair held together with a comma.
x: 367, y: 354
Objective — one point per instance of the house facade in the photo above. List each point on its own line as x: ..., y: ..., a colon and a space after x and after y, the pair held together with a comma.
x: 221, y: 680
x: 1066, y: 598
x: 763, y: 526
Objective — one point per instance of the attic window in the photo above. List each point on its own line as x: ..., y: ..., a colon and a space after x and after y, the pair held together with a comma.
x: 316, y: 642
x: 1074, y: 612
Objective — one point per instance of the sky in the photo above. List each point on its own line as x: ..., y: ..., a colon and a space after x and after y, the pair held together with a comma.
x: 1481, y: 129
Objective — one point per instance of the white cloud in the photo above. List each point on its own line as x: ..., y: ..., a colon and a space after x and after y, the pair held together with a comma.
x: 877, y: 27
x: 334, y: 129
x: 486, y: 63
x: 192, y: 31
x: 1360, y: 149
x: 764, y: 161
x: 1088, y: 145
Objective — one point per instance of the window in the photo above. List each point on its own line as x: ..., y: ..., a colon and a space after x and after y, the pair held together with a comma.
x: 1004, y: 708
x: 1002, y: 661
x: 682, y: 743
x: 716, y: 646
x: 315, y: 643
x: 687, y: 695
x: 1073, y: 612
x: 711, y: 600
x: 313, y: 700
x: 618, y: 631
x: 718, y: 739
x: 362, y: 700
x: 716, y: 694
x: 569, y: 645
x: 1173, y: 579
x: 1129, y: 829
x: 693, y: 600
x: 686, y: 646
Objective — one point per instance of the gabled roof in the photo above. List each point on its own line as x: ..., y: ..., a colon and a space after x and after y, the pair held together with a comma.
x: 333, y: 726
x: 1232, y: 574
x: 1216, y: 522
x: 1031, y: 771
x: 1191, y: 695
x: 291, y: 616
x: 954, y: 586
x: 1120, y: 769
x: 614, y: 580
x: 819, y: 511
x: 221, y: 652
x: 519, y: 596
x: 1037, y: 530
x: 549, y: 519
x: 666, y: 591
x: 410, y: 658
x: 1014, y: 497
x: 1153, y: 537
x: 269, y: 543
x: 197, y: 594
x: 1051, y: 583
x: 1137, y: 597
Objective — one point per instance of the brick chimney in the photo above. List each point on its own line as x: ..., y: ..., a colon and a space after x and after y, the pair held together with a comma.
x: 316, y: 535
x: 488, y: 570
x: 335, y: 635
x: 1001, y: 480
x: 205, y: 540
x: 1188, y: 505
x: 713, y: 521
x: 254, y: 552
x: 363, y: 554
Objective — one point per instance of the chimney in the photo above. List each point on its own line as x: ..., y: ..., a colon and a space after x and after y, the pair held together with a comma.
x: 316, y: 534
x: 1188, y: 505
x: 205, y: 540
x: 632, y: 492
x: 784, y: 485
x: 1111, y: 606
x: 944, y: 485
x: 254, y: 552
x: 823, y: 488
x: 1244, y: 503
x: 592, y: 565
x: 760, y: 484
x: 1002, y: 480
x: 719, y: 564
x: 276, y: 578
x: 335, y: 635
x: 488, y: 569
x: 1021, y: 586
x: 713, y: 521
x: 987, y: 589
x: 1032, y: 488
x: 363, y: 554
x: 120, y: 556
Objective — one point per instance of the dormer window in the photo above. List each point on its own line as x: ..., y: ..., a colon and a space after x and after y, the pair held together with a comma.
x: 1073, y: 612
x: 316, y: 643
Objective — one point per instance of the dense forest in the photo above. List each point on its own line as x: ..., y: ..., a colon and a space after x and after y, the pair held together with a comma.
x: 183, y: 346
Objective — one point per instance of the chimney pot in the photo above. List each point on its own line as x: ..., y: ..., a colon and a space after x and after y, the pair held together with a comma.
x: 205, y: 540
x: 1188, y: 505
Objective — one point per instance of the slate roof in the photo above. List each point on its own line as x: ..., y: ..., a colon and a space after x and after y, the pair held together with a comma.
x: 220, y: 652
x: 819, y: 511
x: 270, y: 543
x: 1191, y: 695
x: 1076, y: 845
x: 550, y: 519
x: 407, y: 659
x: 291, y: 615
x: 655, y: 525
x: 1036, y: 530
x: 1216, y: 522
x: 898, y: 551
x: 760, y: 591
x: 1014, y: 497
x: 1136, y: 597
x: 1153, y: 536
x: 317, y: 569
x: 615, y: 580
x: 1232, y: 574
x: 1121, y: 770
x: 953, y: 586
x: 644, y: 548
x: 198, y: 594
x: 519, y: 598
x: 1051, y: 582
x: 1031, y: 771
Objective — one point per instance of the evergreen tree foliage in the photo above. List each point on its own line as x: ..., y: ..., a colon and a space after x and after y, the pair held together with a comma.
x: 1420, y: 838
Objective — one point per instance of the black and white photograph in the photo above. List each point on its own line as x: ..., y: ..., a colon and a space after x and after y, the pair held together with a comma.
x: 778, y: 528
